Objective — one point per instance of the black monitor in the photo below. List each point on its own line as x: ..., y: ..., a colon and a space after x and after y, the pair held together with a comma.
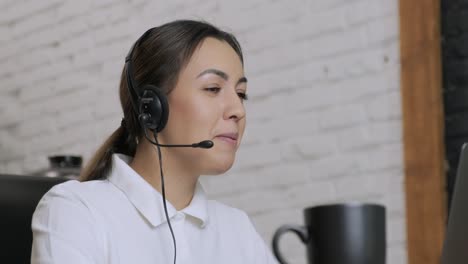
x: 19, y: 196
x: 456, y: 238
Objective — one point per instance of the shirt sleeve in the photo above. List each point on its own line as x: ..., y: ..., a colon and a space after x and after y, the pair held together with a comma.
x: 63, y: 230
x: 265, y: 255
x: 262, y: 253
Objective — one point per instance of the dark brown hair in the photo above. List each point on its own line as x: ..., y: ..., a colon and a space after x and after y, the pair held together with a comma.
x: 157, y: 60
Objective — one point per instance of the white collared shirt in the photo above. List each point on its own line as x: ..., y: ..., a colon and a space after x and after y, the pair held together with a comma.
x: 121, y: 220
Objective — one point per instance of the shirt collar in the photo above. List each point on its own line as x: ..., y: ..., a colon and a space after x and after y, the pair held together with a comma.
x: 147, y: 200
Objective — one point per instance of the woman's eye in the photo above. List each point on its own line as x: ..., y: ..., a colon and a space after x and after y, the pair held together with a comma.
x: 213, y: 89
x: 243, y: 96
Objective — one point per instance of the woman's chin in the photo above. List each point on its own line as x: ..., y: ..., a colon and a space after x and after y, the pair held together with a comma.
x: 219, y: 166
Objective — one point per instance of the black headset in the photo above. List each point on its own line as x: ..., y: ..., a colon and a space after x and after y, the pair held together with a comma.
x: 148, y: 101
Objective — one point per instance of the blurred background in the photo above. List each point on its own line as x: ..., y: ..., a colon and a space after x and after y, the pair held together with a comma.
x: 324, y: 115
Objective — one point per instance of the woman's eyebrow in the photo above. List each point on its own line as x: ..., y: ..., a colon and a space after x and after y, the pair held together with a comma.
x: 241, y: 80
x: 214, y: 71
x: 221, y: 74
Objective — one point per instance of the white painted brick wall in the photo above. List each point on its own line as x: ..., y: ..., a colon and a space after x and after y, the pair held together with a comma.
x: 324, y: 119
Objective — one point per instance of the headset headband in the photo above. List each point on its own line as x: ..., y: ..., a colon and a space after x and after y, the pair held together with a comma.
x: 131, y: 84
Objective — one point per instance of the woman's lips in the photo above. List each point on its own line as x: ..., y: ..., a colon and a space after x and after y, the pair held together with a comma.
x: 230, y: 138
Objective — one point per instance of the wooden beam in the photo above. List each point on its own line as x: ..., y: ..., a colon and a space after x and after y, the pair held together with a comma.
x: 423, y: 129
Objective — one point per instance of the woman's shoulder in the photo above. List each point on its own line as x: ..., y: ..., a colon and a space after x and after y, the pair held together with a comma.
x: 83, y: 200
x: 76, y: 191
x: 77, y: 188
x: 64, y: 216
x: 227, y: 212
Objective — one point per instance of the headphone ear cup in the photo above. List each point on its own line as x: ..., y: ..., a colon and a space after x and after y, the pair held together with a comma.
x: 154, y: 108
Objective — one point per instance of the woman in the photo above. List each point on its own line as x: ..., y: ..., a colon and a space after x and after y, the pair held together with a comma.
x: 118, y: 211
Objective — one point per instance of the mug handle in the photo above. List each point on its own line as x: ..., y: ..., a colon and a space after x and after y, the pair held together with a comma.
x: 300, y: 231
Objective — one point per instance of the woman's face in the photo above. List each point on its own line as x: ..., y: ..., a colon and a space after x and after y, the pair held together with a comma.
x: 207, y: 104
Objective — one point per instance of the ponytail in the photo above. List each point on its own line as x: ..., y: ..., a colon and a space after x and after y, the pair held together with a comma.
x: 100, y: 164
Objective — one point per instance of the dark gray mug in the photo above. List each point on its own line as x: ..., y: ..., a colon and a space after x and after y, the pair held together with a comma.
x: 350, y: 233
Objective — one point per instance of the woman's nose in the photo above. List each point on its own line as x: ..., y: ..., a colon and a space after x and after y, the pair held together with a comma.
x: 234, y: 107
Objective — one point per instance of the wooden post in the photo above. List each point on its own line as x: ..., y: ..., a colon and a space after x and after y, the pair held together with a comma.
x: 423, y: 129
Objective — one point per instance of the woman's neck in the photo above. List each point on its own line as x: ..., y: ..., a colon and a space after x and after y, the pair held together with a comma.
x: 179, y: 184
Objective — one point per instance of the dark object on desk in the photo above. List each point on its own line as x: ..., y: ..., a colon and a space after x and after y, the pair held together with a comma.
x: 456, y: 238
x: 67, y: 166
x: 19, y: 196
x: 349, y: 233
